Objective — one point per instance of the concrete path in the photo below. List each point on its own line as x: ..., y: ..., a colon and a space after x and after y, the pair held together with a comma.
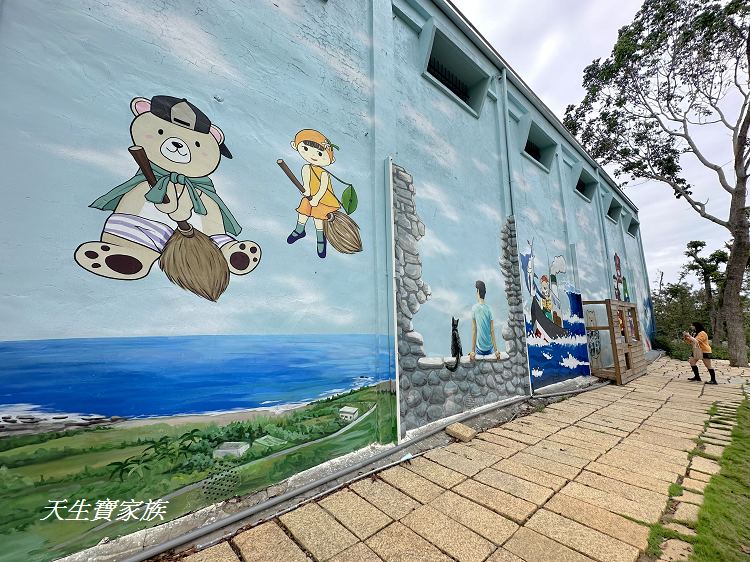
x: 578, y: 481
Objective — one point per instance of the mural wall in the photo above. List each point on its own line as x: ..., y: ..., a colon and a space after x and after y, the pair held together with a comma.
x: 196, y: 295
x: 436, y: 387
x: 197, y: 311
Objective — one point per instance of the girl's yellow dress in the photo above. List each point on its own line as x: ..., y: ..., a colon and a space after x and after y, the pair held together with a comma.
x: 328, y: 203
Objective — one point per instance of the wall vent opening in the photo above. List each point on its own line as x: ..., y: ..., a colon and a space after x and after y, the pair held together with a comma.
x: 586, y: 185
x: 449, y: 66
x: 540, y: 146
x: 615, y: 210
x: 633, y: 228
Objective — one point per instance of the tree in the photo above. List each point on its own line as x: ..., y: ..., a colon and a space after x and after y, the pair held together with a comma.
x: 680, y: 68
x: 708, y: 270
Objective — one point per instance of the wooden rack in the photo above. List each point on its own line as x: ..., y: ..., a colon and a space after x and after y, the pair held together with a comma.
x: 627, y: 346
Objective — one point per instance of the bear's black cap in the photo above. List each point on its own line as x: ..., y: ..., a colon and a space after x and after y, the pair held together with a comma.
x: 162, y: 107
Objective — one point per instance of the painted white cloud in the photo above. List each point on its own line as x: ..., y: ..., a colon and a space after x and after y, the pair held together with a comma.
x: 431, y: 245
x: 439, y: 197
x: 519, y: 181
x: 557, y: 208
x: 179, y: 36
x: 479, y: 165
x: 532, y: 214
x: 489, y: 213
x: 114, y: 160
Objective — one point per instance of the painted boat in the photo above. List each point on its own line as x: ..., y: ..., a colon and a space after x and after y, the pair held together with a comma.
x: 543, y: 325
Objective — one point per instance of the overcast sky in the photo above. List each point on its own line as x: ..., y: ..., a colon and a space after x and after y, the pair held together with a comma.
x: 549, y: 46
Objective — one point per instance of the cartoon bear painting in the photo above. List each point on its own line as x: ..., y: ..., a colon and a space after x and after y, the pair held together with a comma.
x: 183, y: 148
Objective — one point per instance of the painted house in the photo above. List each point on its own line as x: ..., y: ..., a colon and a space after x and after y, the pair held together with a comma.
x: 231, y: 220
x: 348, y: 413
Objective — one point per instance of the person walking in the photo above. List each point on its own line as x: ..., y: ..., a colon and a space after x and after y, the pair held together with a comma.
x: 701, y: 350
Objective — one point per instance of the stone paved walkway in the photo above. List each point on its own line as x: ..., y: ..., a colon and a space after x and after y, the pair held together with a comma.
x: 566, y: 484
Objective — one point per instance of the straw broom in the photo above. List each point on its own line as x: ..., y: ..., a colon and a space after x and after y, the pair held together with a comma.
x: 340, y: 230
x: 190, y: 259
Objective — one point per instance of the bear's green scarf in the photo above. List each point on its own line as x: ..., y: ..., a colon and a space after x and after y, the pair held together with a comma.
x: 110, y: 200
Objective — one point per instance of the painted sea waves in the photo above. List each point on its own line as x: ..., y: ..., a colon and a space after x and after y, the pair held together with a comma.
x: 561, y: 358
x: 162, y: 376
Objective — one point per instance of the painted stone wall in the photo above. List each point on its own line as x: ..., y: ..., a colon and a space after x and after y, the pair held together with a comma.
x: 429, y: 391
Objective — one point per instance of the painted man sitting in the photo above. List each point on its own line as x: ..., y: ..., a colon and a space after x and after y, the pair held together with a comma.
x: 482, y: 326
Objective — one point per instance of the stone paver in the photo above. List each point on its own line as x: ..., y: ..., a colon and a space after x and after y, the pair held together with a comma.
x: 360, y: 517
x: 459, y: 463
x: 516, y: 436
x: 697, y: 475
x: 493, y: 448
x: 563, y: 485
x: 448, y: 535
x: 222, y: 552
x: 704, y: 465
x: 531, y: 546
x: 675, y: 550
x: 715, y: 450
x: 581, y: 538
x: 440, y: 475
x: 411, y: 484
x: 266, y: 543
x: 318, y: 531
x: 629, y: 477
x: 692, y: 484
x: 612, y: 502
x: 600, y: 519
x: 510, y: 466
x: 554, y: 454
x: 687, y: 531
x: 479, y: 519
x: 691, y: 497
x: 498, y: 501
x: 482, y: 457
x: 628, y: 491
x: 547, y: 465
x: 502, y: 555
x: 360, y: 552
x: 397, y: 543
x: 515, y: 486
x: 686, y: 512
x: 385, y: 497
x: 461, y: 432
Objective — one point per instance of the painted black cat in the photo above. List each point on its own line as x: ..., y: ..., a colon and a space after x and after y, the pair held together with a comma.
x: 456, y: 350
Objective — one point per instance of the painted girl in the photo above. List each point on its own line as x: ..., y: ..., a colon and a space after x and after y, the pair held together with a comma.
x: 318, y: 199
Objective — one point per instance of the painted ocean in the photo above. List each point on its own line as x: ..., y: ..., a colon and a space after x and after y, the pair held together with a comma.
x: 160, y: 376
x: 561, y: 359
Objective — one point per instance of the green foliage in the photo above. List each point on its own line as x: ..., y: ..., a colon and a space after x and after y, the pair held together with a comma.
x: 724, y: 520
x: 630, y: 119
x: 349, y: 200
x: 657, y: 535
x: 675, y: 490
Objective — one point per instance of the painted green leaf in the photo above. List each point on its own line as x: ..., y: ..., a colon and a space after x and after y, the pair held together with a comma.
x: 349, y: 200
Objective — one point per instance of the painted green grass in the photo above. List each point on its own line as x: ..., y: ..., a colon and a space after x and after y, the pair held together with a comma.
x: 72, y: 464
x: 79, y: 471
x: 724, y: 521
